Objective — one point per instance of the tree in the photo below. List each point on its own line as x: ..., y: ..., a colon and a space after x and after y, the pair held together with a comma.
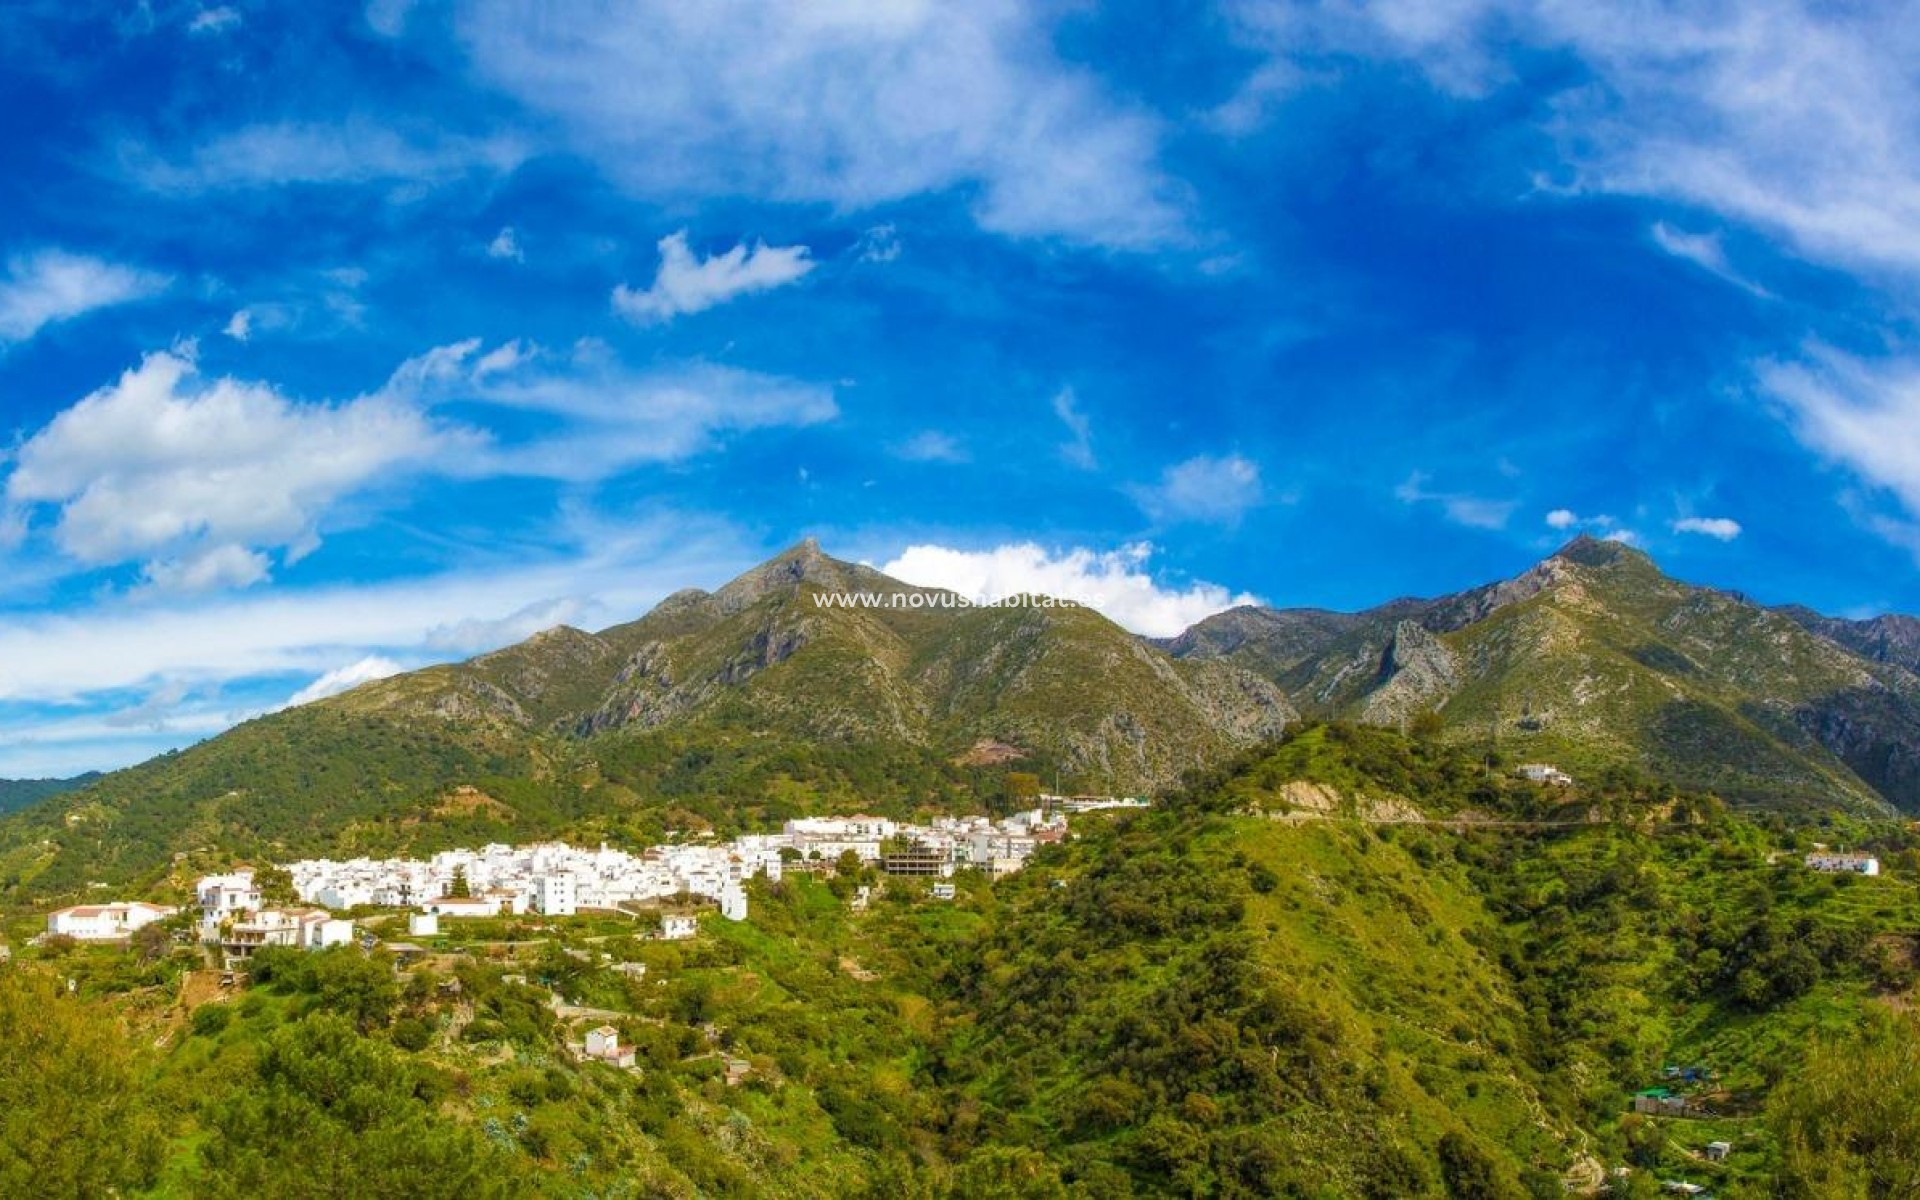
x: 331, y: 1113
x: 1023, y: 788
x: 1848, y: 1123
x: 459, y: 888
x: 73, y: 1116
x: 1469, y: 1172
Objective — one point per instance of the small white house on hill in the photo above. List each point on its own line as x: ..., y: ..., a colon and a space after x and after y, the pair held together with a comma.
x: 106, y: 922
x: 676, y: 927
x: 603, y: 1045
x: 1840, y: 863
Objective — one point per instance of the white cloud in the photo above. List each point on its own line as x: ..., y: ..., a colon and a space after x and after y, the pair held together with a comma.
x: 1475, y: 512
x: 1216, y: 489
x: 1079, y: 449
x: 506, y: 245
x: 1703, y: 250
x: 604, y: 416
x: 52, y: 285
x: 356, y: 152
x: 475, y: 634
x: 1792, y: 117
x: 341, y: 679
x: 880, y: 244
x: 239, y: 326
x: 1863, y: 415
x: 214, y: 20
x: 222, y: 566
x: 111, y: 644
x: 686, y: 283
x: 851, y: 105
x: 1115, y: 583
x: 933, y: 446
x: 200, y: 480
x: 1722, y: 528
x: 185, y: 473
x: 1566, y: 518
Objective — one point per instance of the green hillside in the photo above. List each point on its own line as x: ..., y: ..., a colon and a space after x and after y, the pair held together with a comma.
x: 1440, y: 983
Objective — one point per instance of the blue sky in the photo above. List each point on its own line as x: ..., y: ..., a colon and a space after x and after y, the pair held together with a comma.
x: 338, y: 341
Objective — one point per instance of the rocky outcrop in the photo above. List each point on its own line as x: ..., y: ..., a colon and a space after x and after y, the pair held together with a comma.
x: 1417, y: 672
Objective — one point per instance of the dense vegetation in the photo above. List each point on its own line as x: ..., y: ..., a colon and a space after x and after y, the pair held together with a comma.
x: 1226, y: 995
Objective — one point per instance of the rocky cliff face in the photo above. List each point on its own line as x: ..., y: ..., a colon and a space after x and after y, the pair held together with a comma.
x: 1417, y: 673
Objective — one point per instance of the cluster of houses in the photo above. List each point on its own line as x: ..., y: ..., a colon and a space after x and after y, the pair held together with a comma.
x: 557, y: 880
x: 554, y: 879
x: 233, y: 917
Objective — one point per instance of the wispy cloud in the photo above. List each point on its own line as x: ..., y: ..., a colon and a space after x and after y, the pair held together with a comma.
x: 207, y: 21
x: 850, y: 105
x: 49, y: 286
x: 1703, y: 250
x: 604, y: 417
x: 686, y: 283
x: 1078, y: 449
x: 1475, y: 512
x: 933, y: 446
x: 1802, y: 120
x: 506, y: 245
x: 350, y: 153
x: 1217, y: 489
x: 1863, y: 414
x: 1116, y: 583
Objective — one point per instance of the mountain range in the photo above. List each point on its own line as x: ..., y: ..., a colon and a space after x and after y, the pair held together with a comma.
x: 764, y: 699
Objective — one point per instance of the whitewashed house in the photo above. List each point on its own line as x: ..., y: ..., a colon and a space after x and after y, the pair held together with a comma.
x: 603, y: 1045
x: 675, y: 927
x: 1545, y: 773
x: 463, y: 906
x: 554, y: 895
x: 423, y: 924
x: 1843, y: 863
x: 733, y: 902
x: 106, y: 922
x: 225, y: 895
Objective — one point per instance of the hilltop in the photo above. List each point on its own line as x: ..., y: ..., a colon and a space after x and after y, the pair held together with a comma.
x: 1593, y: 658
x: 751, y: 703
x: 764, y: 700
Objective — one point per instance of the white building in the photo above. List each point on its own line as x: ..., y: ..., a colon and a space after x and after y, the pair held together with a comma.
x: 1545, y: 773
x: 733, y: 902
x: 462, y: 906
x: 943, y: 891
x: 423, y: 924
x: 298, y: 928
x: 603, y: 1045
x: 106, y: 922
x: 1841, y: 863
x: 676, y: 927
x: 225, y: 895
x: 554, y: 896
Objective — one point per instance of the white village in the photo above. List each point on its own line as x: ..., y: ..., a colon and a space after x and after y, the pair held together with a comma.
x: 553, y: 879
